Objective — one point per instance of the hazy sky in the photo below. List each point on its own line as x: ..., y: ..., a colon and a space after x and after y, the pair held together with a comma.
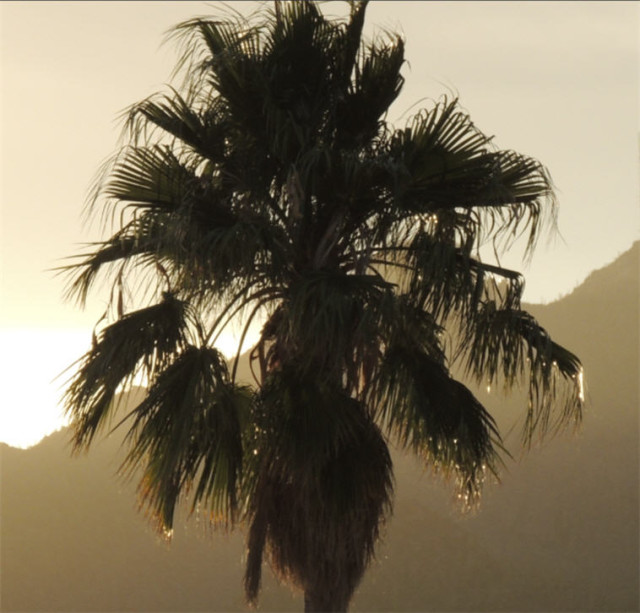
x: 555, y: 80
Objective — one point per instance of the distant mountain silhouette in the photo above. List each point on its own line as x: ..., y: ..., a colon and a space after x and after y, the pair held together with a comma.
x: 560, y: 533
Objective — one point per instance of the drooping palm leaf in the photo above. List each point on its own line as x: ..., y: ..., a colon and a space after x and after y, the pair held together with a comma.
x: 426, y: 410
x: 508, y: 343
x: 141, y: 341
x: 188, y: 432
x: 141, y: 243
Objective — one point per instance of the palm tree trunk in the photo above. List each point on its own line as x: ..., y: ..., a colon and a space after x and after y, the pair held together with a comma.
x: 315, y: 604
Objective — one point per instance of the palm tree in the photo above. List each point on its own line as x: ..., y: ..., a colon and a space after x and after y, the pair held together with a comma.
x: 269, y: 187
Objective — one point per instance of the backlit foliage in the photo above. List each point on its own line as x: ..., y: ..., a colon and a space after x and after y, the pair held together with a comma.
x: 270, y: 185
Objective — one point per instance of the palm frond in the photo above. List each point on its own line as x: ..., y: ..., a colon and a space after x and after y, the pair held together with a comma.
x: 228, y: 55
x: 347, y: 45
x: 151, y: 177
x: 140, y: 243
x: 443, y: 162
x: 203, y: 242
x: 141, y: 341
x: 201, y: 130
x: 437, y: 417
x: 445, y: 278
x: 377, y: 83
x: 416, y: 400
x: 508, y: 343
x: 188, y: 432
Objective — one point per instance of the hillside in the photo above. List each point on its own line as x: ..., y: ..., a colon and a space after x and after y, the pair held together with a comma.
x: 560, y: 533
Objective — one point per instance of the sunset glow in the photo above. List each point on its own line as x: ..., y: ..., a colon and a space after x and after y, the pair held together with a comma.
x: 314, y: 287
x: 35, y: 363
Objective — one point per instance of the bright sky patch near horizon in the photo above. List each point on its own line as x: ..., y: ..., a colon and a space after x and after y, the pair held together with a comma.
x: 554, y: 80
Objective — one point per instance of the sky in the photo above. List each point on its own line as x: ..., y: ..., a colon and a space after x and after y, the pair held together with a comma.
x: 554, y: 80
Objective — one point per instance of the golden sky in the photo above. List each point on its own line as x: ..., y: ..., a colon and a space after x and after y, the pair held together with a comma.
x: 554, y: 80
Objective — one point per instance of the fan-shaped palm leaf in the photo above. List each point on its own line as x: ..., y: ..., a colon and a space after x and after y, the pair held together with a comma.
x: 202, y: 446
x: 509, y: 342
x: 143, y: 339
x: 442, y: 161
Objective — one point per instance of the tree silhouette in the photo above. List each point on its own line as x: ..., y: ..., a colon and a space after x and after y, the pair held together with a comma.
x: 270, y: 186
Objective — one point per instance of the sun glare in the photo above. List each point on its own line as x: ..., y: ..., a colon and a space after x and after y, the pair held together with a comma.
x: 581, y: 385
x: 35, y: 363
x: 228, y: 341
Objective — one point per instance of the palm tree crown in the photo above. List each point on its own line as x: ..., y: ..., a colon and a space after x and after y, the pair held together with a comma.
x: 269, y: 185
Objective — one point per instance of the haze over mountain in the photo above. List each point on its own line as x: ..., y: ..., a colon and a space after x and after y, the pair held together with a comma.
x: 560, y: 533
